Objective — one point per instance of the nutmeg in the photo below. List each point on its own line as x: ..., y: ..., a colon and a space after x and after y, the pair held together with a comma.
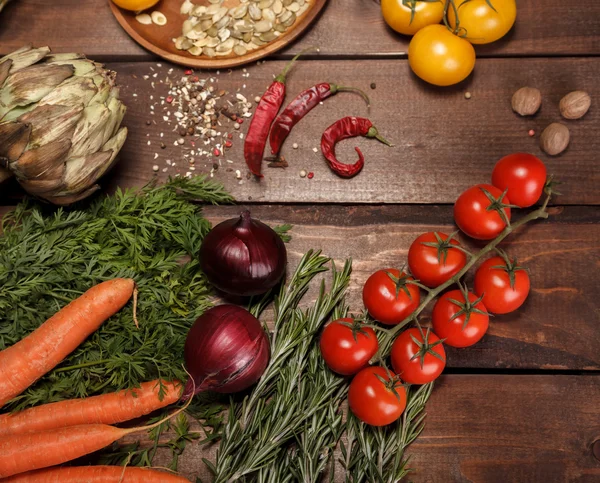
x: 526, y: 101
x: 575, y: 104
x: 555, y: 139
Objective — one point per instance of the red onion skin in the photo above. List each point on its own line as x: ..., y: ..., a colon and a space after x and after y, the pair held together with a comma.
x: 226, y: 351
x: 243, y: 256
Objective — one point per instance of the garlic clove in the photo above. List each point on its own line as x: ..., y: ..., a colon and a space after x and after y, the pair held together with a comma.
x: 144, y: 19
x: 159, y: 18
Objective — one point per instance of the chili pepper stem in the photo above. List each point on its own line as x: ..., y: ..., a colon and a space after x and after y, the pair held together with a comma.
x: 336, y: 88
x: 281, y: 77
x: 374, y: 133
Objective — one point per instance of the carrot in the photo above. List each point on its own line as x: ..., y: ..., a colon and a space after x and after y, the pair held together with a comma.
x: 96, y: 474
x: 29, y: 359
x: 33, y: 451
x: 105, y: 409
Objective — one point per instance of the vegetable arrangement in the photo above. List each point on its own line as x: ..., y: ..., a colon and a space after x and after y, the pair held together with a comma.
x: 460, y: 318
x: 443, y: 54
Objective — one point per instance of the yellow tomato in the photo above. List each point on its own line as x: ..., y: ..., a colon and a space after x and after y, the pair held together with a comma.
x: 439, y: 57
x: 135, y: 5
x: 397, y: 14
x: 480, y: 22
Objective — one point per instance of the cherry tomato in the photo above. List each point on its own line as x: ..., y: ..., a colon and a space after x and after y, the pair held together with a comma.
x: 504, y: 286
x: 523, y: 175
x: 480, y: 22
x: 416, y: 361
x: 347, y: 346
x: 401, y: 18
x: 376, y: 401
x: 432, y: 260
x: 477, y: 215
x: 439, y: 57
x: 389, y: 296
x: 459, y: 323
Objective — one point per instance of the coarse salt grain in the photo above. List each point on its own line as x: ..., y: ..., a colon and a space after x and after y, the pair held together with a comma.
x: 315, y: 150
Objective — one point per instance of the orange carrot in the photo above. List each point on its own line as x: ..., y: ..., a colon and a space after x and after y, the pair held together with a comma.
x: 105, y: 409
x: 29, y: 359
x: 96, y: 474
x: 33, y: 451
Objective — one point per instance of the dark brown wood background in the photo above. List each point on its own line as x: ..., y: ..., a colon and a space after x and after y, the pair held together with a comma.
x: 523, y: 405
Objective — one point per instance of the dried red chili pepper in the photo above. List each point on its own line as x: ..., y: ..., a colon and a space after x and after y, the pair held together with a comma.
x: 302, y: 105
x: 347, y: 127
x: 265, y: 113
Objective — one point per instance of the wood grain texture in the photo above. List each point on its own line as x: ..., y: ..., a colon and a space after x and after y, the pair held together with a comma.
x: 557, y: 326
x: 160, y: 40
x: 346, y: 28
x: 492, y: 429
x: 443, y: 142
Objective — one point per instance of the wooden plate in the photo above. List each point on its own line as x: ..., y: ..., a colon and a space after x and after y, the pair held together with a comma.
x: 159, y: 39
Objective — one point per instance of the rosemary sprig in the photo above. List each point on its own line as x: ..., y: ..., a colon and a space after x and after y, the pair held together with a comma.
x: 294, y: 388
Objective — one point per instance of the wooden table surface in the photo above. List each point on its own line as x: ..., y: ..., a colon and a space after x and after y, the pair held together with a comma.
x: 523, y: 405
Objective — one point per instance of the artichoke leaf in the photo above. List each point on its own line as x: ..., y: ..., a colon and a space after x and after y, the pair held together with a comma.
x: 4, y: 68
x: 25, y: 58
x: 82, y: 172
x: 73, y: 91
x: 81, y: 66
x: 51, y: 122
x: 64, y: 56
x: 14, y: 137
x: 47, y: 161
x: 89, y: 133
x: 115, y: 144
x: 30, y: 85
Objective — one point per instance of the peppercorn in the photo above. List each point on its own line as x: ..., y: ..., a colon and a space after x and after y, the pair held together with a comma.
x: 373, y: 85
x: 182, y: 131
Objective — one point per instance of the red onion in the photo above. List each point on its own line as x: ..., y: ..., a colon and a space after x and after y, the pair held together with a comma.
x: 243, y: 256
x: 226, y: 350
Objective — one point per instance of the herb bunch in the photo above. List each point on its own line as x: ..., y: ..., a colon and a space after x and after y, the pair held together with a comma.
x: 48, y: 259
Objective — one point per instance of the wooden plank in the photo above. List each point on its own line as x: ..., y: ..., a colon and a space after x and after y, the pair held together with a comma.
x: 444, y: 143
x: 555, y: 329
x: 488, y: 429
x: 346, y: 28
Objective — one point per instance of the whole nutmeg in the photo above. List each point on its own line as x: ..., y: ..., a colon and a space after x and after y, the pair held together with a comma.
x: 575, y: 104
x: 526, y: 101
x: 555, y: 139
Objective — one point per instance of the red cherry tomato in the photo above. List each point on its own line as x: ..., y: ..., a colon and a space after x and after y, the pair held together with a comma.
x: 389, y: 296
x: 450, y: 322
x: 347, y: 346
x: 376, y: 401
x: 502, y: 292
x: 524, y: 175
x: 477, y: 211
x: 416, y: 361
x: 433, y: 261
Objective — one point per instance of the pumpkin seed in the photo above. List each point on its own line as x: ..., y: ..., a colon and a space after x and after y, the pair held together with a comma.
x: 293, y: 7
x: 213, y: 42
x: 240, y: 50
x: 195, y: 50
x: 205, y: 25
x: 213, y: 31
x: 215, y: 1
x: 251, y: 46
x: 263, y: 26
x: 208, y: 51
x: 178, y: 42
x: 158, y: 18
x: 268, y: 36
x: 236, y: 34
x: 287, y: 3
x: 223, y: 22
x: 265, y: 4
x: 187, y: 26
x: 195, y: 35
x: 224, y: 34
x: 144, y: 19
x: 303, y: 9
x: 277, y: 7
x: 239, y: 11
x: 214, y: 8
x: 285, y: 16
x: 219, y: 15
x: 268, y: 14
x: 290, y: 21
x: 245, y: 28
x: 225, y: 46
x: 199, y: 10
x: 223, y: 54
x: 301, y: 2
x: 280, y: 28
x: 186, y: 44
x: 255, y: 12
x: 247, y: 36
x: 203, y: 42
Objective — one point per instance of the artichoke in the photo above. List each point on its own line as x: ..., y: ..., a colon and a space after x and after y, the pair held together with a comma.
x: 60, y: 118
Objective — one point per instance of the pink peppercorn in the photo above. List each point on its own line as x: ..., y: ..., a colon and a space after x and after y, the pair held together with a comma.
x: 311, y: 175
x: 216, y: 152
x: 169, y: 99
x: 531, y: 132
x: 189, y: 72
x: 228, y: 144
